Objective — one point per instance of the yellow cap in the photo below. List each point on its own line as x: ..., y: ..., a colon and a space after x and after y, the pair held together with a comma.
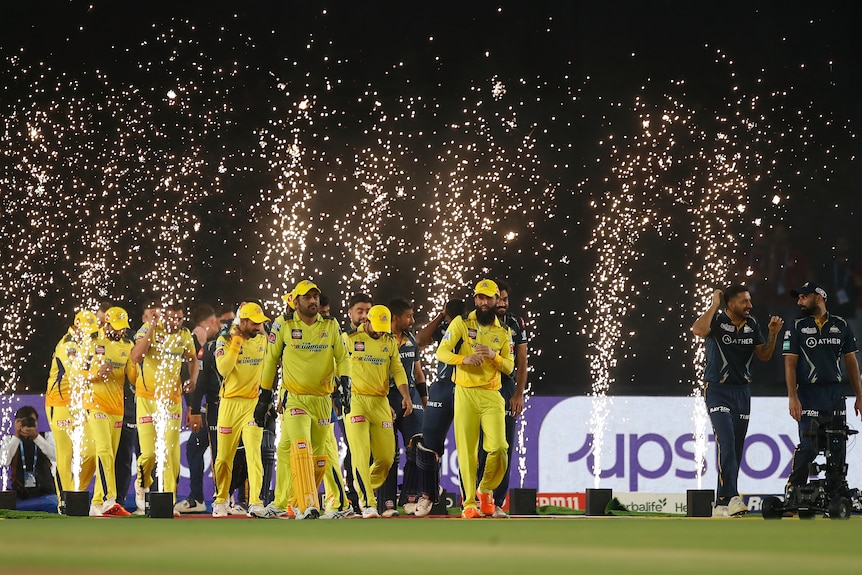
x: 288, y: 299
x: 488, y: 288
x: 253, y: 312
x: 117, y: 318
x: 380, y: 318
x: 86, y: 321
x: 304, y: 287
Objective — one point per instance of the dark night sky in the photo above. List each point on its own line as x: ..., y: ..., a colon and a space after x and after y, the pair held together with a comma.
x: 572, y: 71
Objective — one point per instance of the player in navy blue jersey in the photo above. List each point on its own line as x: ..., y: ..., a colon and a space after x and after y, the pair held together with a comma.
x: 733, y: 338
x: 813, y: 347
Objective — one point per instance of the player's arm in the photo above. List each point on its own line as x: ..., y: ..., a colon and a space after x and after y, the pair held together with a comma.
x: 396, y: 369
x: 99, y: 373
x: 340, y: 355
x: 701, y: 326
x: 421, y: 384
x: 852, y: 364
x: 425, y: 336
x: 445, y: 351
x: 516, y: 404
x: 790, y: 361
x: 273, y: 354
x: 227, y: 352
x: 764, y: 350
x: 191, y: 356
x: 144, y: 338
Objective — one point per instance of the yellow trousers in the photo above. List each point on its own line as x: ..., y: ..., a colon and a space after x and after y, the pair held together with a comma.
x: 370, y: 433
x: 146, y: 413
x: 235, y: 423
x: 60, y: 422
x: 477, y: 408
x: 105, y: 430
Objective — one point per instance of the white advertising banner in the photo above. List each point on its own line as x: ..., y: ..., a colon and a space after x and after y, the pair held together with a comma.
x: 649, y: 447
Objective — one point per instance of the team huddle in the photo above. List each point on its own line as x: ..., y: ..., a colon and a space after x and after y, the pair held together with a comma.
x: 303, y: 370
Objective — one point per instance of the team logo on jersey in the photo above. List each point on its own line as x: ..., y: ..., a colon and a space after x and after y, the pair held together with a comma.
x: 496, y: 340
x: 295, y: 411
x: 388, y: 425
x: 100, y: 350
x: 385, y: 349
x: 726, y: 339
x: 200, y: 353
x: 99, y: 415
x: 747, y: 329
x: 807, y: 330
x: 226, y: 430
x: 834, y: 329
x: 358, y: 346
x: 811, y: 341
x: 447, y: 336
x: 471, y: 333
x: 145, y: 419
x: 324, y: 334
x: 357, y: 419
x: 296, y: 334
x: 219, y: 353
x: 728, y: 327
x: 71, y: 352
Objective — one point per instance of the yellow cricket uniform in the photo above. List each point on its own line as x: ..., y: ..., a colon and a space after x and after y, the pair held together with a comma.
x: 104, y: 404
x: 240, y: 362
x: 478, y: 403
x: 159, y: 382
x: 311, y: 357
x: 68, y: 363
x: 369, y: 426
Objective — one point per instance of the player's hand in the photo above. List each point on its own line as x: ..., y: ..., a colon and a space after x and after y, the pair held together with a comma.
x: 407, y: 406
x: 195, y: 422
x: 516, y: 404
x: 344, y: 385
x: 188, y: 386
x: 485, y: 351
x: 775, y: 324
x: 264, y: 400
x: 716, y: 298
x: 796, y: 408
x: 105, y: 370
x: 474, y: 359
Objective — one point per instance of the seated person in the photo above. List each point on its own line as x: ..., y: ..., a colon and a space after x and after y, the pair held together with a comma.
x: 30, y: 456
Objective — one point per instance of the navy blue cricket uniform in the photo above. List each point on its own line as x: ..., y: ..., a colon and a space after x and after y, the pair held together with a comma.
x: 819, y: 379
x: 519, y: 336
x: 408, y: 426
x: 440, y: 410
x: 729, y: 352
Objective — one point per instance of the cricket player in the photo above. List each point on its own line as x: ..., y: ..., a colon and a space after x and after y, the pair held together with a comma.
x: 69, y: 367
x: 239, y: 359
x: 160, y: 347
x: 109, y: 368
x: 369, y: 423
x: 481, y: 349
x: 312, y: 354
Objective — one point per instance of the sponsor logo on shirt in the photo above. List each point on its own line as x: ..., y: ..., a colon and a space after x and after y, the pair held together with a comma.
x: 295, y: 411
x: 471, y: 333
x: 358, y: 346
x: 326, y: 421
x: 99, y: 415
x: 726, y: 339
x: 814, y: 342
x: 728, y: 327
x: 388, y: 425
x: 806, y: 330
x: 357, y: 419
x: 145, y: 419
x: 301, y: 445
x: 447, y: 336
x: 100, y: 350
x: 296, y: 334
x: 272, y: 337
x: 118, y: 424
x: 219, y: 353
x: 226, y: 430
x: 747, y: 329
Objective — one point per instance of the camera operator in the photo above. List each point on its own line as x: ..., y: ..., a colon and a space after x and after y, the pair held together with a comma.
x: 31, y: 456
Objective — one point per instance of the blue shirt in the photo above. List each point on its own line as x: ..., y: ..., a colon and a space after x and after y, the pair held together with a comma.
x: 519, y: 336
x: 730, y: 349
x: 409, y: 353
x: 819, y: 348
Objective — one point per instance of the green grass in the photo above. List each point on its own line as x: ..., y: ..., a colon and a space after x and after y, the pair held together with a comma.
x: 415, y: 546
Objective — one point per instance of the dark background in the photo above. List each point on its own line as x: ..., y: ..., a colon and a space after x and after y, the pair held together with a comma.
x: 776, y: 84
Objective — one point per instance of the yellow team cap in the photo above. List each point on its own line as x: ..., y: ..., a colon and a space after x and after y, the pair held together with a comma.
x: 288, y: 299
x: 86, y: 321
x: 117, y: 317
x: 488, y: 288
x: 380, y: 318
x: 304, y: 287
x: 253, y: 312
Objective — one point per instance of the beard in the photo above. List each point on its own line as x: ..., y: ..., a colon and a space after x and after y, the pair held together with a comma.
x: 807, y: 311
x: 486, y: 317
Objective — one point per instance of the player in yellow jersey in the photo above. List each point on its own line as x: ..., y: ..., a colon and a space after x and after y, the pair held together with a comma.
x: 160, y: 347
x: 480, y: 348
x: 70, y: 361
x: 312, y: 354
x: 370, y: 430
x: 109, y: 368
x: 239, y: 359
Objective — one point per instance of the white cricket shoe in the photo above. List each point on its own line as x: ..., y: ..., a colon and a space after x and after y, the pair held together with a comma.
x: 310, y: 512
x: 331, y: 514
x: 370, y: 513
x: 423, y: 506
x: 736, y: 507
x: 410, y: 508
x: 272, y: 511
x: 220, y: 510
x: 720, y: 511
x: 256, y: 510
x: 95, y: 510
x: 141, y: 500
x: 190, y: 506
x: 499, y: 513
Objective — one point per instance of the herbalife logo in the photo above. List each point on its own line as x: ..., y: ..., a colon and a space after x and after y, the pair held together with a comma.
x: 649, y: 506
